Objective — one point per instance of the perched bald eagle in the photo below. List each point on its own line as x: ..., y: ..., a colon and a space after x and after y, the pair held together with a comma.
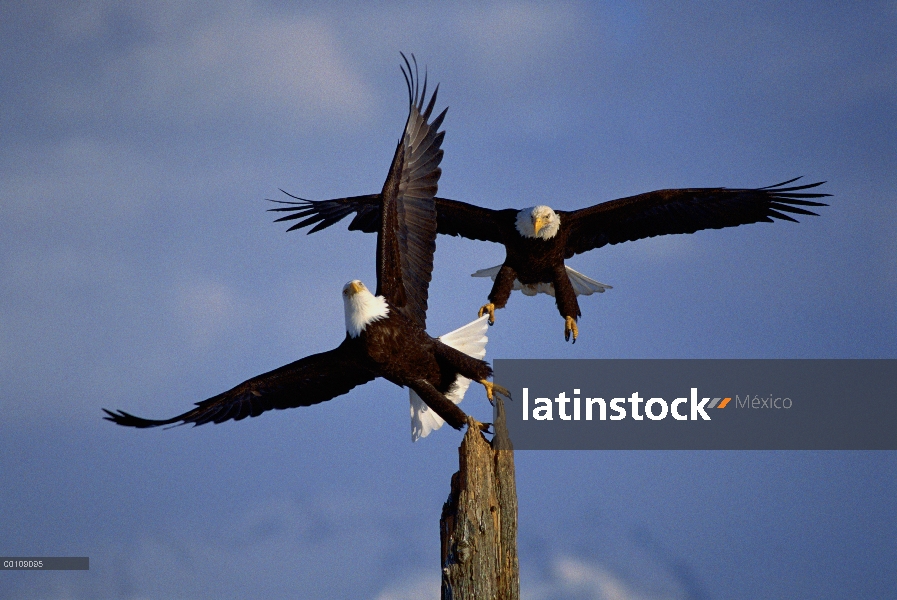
x: 385, y: 333
x: 538, y: 239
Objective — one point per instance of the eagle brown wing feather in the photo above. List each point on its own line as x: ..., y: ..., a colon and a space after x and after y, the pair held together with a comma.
x: 474, y: 222
x: 665, y: 212
x: 452, y: 216
x: 406, y: 241
x: 324, y: 213
x: 310, y: 380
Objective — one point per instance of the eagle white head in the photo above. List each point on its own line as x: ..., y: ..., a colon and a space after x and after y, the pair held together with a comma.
x: 538, y: 222
x: 362, y: 307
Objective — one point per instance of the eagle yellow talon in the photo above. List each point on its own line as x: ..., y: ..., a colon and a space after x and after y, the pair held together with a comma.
x: 570, y: 326
x: 474, y: 424
x: 494, y: 388
x: 488, y: 308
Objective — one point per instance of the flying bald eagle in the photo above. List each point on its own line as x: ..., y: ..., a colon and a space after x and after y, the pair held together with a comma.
x: 538, y: 239
x: 385, y: 333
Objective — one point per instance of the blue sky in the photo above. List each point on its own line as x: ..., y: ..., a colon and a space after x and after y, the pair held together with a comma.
x: 141, y: 272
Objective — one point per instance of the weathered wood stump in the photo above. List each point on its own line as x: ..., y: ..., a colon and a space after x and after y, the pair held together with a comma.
x: 478, y: 528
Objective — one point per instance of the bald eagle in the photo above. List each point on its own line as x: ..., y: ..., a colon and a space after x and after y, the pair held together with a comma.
x: 538, y: 239
x: 385, y: 332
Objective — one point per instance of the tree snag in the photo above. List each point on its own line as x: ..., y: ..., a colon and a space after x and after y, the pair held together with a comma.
x: 478, y: 528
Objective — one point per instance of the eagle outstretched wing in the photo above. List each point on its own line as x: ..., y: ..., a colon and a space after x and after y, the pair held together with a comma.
x: 327, y: 212
x: 474, y: 222
x: 406, y: 241
x: 682, y: 211
x: 307, y: 381
x: 452, y: 216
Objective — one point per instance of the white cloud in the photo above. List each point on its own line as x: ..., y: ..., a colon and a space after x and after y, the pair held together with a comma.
x: 576, y: 575
x: 422, y: 585
x: 572, y: 577
x: 239, y: 63
x: 569, y: 577
x: 206, y: 309
x: 292, y: 67
x: 81, y: 180
x: 511, y: 34
x: 274, y: 548
x: 79, y: 21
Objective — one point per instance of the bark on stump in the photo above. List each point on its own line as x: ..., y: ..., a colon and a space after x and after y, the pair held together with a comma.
x: 478, y: 528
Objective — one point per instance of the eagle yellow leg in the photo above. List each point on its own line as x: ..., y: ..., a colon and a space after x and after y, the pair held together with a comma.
x: 494, y: 388
x: 570, y: 326
x: 488, y: 308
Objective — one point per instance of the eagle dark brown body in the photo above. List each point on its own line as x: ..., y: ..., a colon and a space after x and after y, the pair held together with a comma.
x: 399, y: 351
x: 532, y: 261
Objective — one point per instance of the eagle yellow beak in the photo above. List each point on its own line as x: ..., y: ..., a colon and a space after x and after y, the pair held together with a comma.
x: 538, y: 224
x: 355, y: 287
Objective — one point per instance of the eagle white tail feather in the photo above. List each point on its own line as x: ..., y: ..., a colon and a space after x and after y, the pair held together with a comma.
x: 582, y: 284
x: 471, y: 340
